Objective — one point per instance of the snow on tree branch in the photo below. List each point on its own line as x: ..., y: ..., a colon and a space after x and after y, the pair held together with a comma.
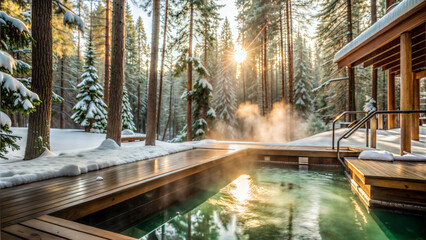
x: 328, y: 82
x: 7, y: 61
x: 74, y: 20
x: 70, y: 18
x: 5, y: 120
x: 6, y: 19
x: 10, y: 84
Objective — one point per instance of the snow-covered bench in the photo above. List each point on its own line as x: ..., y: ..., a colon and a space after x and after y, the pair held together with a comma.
x: 129, y: 136
x: 139, y: 137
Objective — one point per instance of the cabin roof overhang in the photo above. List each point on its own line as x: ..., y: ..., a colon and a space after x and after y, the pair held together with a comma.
x: 378, y: 46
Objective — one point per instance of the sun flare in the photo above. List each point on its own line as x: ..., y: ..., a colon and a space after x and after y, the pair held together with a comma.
x: 240, y: 55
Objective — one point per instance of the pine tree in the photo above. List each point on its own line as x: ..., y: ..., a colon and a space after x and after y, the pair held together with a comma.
x: 225, y: 97
x: 90, y: 110
x: 15, y: 96
x: 126, y: 112
x: 302, y: 79
x: 201, y: 95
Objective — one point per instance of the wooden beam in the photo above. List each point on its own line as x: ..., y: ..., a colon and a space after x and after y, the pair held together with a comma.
x: 421, y: 74
x: 409, y: 21
x: 419, y: 66
x: 416, y: 63
x: 384, y: 59
x: 391, y: 100
x: 416, y: 101
x: 390, y: 65
x: 382, y: 50
x: 393, y: 55
x: 406, y: 92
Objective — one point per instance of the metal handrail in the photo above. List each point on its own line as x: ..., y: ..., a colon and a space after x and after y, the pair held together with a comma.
x: 366, y: 119
x: 340, y: 117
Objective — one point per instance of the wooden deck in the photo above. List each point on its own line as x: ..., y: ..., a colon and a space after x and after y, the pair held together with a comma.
x: 389, y: 184
x: 48, y: 227
x: 26, y: 207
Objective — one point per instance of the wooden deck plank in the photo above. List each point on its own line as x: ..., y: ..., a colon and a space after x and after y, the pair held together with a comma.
x: 30, y: 233
x: 84, y: 228
x: 98, y: 186
x: 7, y: 236
x: 120, y: 176
x: 59, y: 230
x: 390, y: 170
x: 34, y: 200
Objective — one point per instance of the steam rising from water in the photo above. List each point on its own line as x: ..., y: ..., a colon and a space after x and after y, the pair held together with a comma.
x: 253, y: 126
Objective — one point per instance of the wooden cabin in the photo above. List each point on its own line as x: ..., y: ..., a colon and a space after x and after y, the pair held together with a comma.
x: 396, y: 44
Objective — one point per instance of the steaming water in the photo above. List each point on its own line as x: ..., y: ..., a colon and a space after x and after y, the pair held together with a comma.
x: 275, y: 203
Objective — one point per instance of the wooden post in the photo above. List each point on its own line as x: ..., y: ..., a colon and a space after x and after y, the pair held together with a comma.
x: 351, y: 70
x: 407, y: 99
x: 373, y: 135
x: 391, y: 100
x: 416, y: 103
x: 381, y: 124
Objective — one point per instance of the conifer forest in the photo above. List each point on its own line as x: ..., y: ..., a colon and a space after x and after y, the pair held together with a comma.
x: 179, y: 70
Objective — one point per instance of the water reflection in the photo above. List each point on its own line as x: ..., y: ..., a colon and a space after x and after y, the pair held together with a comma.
x: 280, y: 204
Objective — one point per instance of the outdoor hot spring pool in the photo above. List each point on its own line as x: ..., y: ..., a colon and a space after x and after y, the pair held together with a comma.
x: 277, y: 203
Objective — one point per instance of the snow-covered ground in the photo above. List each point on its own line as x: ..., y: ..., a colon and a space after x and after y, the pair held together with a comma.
x: 74, y: 152
x: 388, y: 140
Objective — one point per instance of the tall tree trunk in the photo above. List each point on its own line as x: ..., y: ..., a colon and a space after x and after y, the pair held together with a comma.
x: 39, y: 122
x: 265, y: 67
x: 160, y: 92
x: 170, y: 108
x: 290, y: 66
x: 374, y: 70
x: 189, y: 83
x: 204, y: 113
x: 138, y: 111
x: 117, y: 72
x: 78, y: 47
x: 62, y: 93
x: 282, y: 61
x: 243, y: 66
x: 107, y: 55
x: 261, y: 59
x: 351, y: 70
x: 152, y: 89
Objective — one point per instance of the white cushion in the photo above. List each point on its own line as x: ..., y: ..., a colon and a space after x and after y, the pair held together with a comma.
x: 411, y: 157
x: 376, y: 155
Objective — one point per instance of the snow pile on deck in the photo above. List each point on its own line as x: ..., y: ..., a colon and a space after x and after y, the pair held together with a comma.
x: 388, y: 140
x: 76, y: 162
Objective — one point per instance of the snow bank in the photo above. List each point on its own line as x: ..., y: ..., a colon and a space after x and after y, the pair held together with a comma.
x: 75, y: 163
x: 376, y: 155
